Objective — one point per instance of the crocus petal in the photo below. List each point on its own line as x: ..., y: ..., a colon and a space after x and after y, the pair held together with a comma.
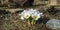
x: 38, y: 16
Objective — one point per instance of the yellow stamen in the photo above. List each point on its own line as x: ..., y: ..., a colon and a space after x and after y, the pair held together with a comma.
x: 34, y: 17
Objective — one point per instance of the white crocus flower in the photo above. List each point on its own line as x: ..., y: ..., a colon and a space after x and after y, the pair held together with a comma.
x: 36, y: 16
x: 27, y: 15
x: 31, y: 12
x: 22, y: 14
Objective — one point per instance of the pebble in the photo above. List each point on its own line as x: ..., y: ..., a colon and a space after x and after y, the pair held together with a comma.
x: 53, y: 24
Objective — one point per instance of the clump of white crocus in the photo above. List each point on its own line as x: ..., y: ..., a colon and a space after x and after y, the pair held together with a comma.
x: 31, y: 13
